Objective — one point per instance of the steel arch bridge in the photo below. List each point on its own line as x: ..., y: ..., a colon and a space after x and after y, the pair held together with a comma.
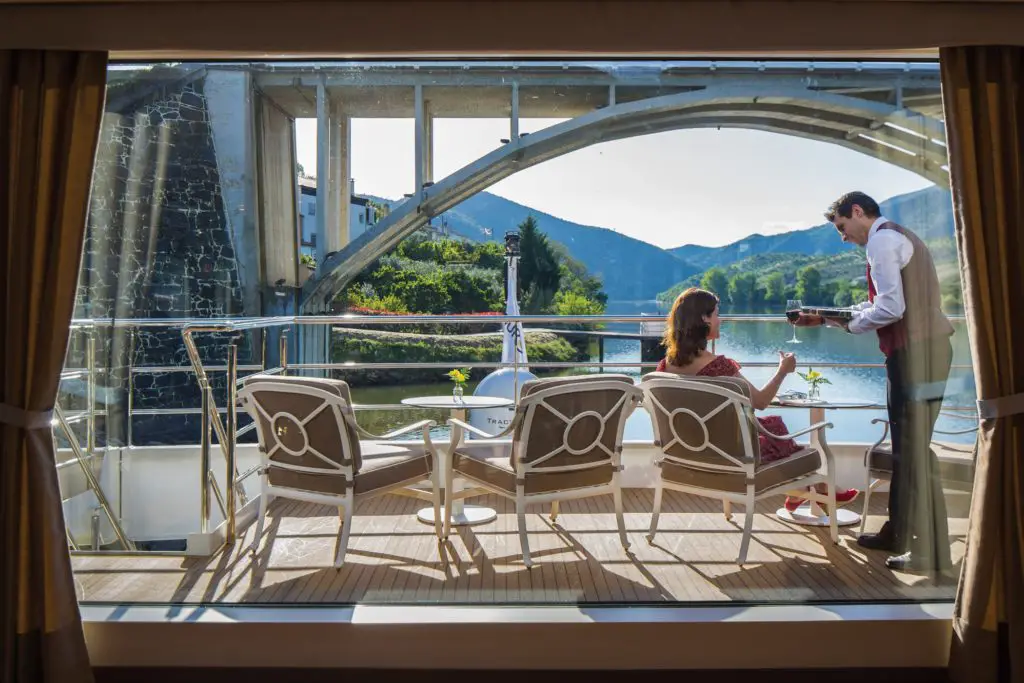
x: 852, y: 117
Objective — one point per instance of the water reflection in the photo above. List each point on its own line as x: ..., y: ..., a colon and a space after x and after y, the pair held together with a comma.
x: 747, y: 343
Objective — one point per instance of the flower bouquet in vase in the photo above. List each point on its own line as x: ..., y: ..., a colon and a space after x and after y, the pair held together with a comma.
x: 459, y: 377
x: 814, y: 381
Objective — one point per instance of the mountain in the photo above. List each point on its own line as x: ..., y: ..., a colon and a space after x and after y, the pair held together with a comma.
x: 630, y: 269
x: 927, y: 212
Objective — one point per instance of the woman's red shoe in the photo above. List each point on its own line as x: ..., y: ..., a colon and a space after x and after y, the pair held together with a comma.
x: 842, y: 498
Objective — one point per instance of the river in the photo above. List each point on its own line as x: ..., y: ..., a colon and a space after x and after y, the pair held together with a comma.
x: 746, y: 343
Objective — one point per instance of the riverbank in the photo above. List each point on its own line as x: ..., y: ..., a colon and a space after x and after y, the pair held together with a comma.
x: 379, y: 346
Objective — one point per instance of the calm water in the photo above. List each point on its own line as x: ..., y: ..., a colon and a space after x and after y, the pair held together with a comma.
x: 746, y: 343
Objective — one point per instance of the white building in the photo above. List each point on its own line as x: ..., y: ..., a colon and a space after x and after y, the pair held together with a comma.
x: 360, y: 215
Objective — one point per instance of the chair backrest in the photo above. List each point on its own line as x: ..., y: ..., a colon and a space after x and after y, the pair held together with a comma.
x: 304, y: 429
x: 703, y: 422
x: 572, y: 424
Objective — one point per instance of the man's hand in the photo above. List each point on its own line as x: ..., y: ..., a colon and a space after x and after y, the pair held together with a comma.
x: 808, y: 320
x: 836, y: 322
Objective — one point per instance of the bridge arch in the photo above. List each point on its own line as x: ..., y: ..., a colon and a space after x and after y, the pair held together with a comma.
x: 908, y: 139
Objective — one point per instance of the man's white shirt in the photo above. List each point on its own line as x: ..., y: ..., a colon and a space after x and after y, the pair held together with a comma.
x: 888, y: 254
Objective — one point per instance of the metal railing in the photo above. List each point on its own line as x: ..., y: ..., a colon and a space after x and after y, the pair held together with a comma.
x: 226, y: 429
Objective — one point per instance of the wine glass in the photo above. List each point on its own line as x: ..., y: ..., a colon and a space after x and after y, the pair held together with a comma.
x: 792, y: 315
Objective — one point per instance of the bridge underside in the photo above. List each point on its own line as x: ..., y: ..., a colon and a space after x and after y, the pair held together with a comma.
x: 890, y: 112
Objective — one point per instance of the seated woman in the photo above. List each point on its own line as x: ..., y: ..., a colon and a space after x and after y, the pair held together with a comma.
x: 691, y: 323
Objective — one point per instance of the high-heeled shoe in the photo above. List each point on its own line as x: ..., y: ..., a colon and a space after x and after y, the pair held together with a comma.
x: 842, y: 498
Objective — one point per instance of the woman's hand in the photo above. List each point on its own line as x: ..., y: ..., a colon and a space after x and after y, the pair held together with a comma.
x: 787, y: 363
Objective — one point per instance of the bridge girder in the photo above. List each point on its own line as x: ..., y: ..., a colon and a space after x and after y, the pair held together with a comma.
x: 905, y: 138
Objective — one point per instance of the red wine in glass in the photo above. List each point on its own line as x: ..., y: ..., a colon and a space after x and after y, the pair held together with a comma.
x: 792, y: 315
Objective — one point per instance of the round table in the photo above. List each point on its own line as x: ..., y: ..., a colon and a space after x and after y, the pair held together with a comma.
x: 461, y: 514
x: 810, y: 513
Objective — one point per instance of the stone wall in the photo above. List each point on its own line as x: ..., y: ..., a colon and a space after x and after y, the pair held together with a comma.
x: 160, y: 244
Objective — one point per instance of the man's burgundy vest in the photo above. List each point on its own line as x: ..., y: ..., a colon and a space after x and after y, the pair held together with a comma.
x: 923, y: 317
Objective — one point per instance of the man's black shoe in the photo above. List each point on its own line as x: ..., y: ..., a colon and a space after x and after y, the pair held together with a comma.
x: 885, y: 539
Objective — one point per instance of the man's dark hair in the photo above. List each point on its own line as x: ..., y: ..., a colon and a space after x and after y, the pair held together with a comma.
x: 844, y: 206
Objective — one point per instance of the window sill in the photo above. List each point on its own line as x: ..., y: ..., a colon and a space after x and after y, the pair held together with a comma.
x: 443, y: 637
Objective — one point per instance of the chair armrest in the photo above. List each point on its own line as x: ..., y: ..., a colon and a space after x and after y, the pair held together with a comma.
x: 398, y: 432
x: 454, y: 422
x: 800, y: 432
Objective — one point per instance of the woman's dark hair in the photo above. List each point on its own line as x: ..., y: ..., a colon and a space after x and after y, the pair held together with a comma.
x: 686, y: 332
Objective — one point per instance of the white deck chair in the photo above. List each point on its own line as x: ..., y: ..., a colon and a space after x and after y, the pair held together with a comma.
x: 878, y: 465
x: 566, y: 444
x: 708, y: 436
x: 310, y: 450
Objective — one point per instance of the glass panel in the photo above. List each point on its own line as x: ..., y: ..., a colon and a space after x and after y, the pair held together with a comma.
x: 394, y: 196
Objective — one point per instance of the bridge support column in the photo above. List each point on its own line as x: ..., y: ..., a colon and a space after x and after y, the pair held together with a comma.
x: 513, y: 123
x: 336, y: 233
x: 323, y: 169
x: 424, y: 141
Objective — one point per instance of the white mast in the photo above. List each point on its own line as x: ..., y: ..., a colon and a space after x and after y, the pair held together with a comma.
x: 513, y: 347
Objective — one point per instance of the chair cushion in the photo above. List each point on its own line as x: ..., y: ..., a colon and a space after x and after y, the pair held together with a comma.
x: 288, y: 401
x: 489, y: 464
x: 384, y: 464
x: 801, y: 464
x: 547, y: 429
x: 880, y: 459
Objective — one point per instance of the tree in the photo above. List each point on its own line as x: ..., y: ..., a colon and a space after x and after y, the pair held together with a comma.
x: 743, y: 290
x: 808, y: 285
x: 716, y: 281
x: 300, y: 169
x: 844, y: 295
x: 539, y: 273
x: 775, y: 289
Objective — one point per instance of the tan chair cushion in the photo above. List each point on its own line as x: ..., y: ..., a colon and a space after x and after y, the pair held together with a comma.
x: 723, y: 428
x: 800, y: 464
x: 384, y: 464
x: 547, y: 429
x: 489, y: 464
x: 880, y: 459
x: 323, y: 430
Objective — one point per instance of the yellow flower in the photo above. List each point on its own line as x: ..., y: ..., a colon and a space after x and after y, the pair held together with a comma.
x: 813, y: 374
x: 459, y: 376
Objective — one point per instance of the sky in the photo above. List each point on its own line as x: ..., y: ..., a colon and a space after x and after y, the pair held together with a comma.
x: 708, y: 187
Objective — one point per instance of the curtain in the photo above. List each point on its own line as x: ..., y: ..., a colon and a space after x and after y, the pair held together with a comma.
x: 982, y: 92
x: 50, y: 109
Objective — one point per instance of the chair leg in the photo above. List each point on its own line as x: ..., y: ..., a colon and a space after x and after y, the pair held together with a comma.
x: 620, y: 518
x: 261, y: 516
x: 346, y: 529
x: 727, y: 509
x: 655, y: 512
x: 833, y: 509
x: 748, y: 529
x: 524, y: 542
x: 867, y: 500
x: 554, y: 511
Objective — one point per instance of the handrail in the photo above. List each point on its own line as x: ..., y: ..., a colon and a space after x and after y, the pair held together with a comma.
x: 253, y: 323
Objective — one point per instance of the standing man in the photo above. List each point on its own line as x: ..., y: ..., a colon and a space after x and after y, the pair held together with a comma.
x: 904, y: 309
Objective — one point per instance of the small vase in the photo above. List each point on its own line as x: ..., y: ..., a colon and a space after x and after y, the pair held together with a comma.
x: 814, y: 392
x: 457, y: 393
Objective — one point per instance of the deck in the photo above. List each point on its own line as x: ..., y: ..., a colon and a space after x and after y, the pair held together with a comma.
x: 393, y: 558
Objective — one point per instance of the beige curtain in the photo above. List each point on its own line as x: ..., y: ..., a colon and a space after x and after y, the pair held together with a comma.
x: 983, y: 89
x: 50, y: 109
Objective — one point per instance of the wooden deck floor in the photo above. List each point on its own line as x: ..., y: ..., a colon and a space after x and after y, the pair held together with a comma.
x: 393, y: 558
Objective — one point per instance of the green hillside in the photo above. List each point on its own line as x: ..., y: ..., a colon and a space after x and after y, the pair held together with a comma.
x: 765, y: 281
